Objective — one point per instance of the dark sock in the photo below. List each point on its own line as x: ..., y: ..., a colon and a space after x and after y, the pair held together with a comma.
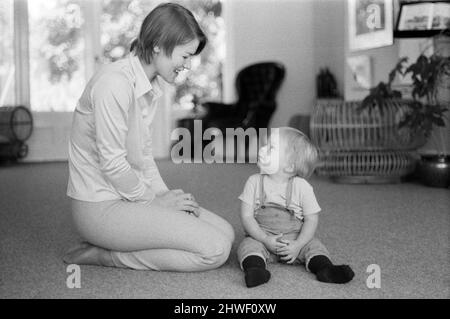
x: 319, y: 262
x: 255, y: 271
x: 325, y: 271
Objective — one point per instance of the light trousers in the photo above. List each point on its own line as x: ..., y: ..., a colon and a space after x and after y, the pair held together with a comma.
x: 275, y: 220
x: 143, y: 236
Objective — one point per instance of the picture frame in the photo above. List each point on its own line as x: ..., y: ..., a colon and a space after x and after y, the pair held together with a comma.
x: 361, y: 71
x: 370, y: 24
x: 422, y: 19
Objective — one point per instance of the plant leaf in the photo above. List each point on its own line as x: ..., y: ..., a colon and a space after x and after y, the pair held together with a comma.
x: 439, y: 121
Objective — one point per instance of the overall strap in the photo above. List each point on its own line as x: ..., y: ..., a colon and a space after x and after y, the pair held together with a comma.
x: 289, y: 193
x: 262, y: 195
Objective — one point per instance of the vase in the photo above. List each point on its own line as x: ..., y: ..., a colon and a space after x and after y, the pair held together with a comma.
x: 434, y: 170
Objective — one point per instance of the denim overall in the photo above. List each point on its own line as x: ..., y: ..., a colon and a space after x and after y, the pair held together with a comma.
x: 276, y: 219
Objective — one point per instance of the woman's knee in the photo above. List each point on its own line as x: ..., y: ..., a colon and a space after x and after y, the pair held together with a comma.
x: 220, y: 223
x: 216, y: 252
x: 229, y: 231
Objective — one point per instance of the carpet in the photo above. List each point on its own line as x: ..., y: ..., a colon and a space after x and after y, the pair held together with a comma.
x: 402, y: 228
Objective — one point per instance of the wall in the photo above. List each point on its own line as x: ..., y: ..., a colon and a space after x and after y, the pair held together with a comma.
x: 383, y: 59
x: 305, y: 35
x: 261, y: 30
x: 329, y: 38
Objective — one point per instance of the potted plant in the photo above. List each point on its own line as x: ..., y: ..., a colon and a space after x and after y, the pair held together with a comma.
x: 388, y: 103
x: 431, y: 82
x: 427, y: 110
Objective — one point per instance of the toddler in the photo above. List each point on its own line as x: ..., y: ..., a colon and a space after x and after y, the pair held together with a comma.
x: 279, y: 212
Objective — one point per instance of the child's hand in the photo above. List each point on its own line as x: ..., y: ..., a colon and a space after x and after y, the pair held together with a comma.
x: 290, y: 251
x: 273, y: 244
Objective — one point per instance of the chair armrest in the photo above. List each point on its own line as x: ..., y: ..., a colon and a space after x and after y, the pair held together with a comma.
x: 249, y: 119
x: 215, y: 109
x: 259, y: 113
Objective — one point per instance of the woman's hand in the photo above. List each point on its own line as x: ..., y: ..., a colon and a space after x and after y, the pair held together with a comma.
x: 178, y: 200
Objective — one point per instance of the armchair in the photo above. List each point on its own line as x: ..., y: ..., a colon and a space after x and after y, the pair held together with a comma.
x: 256, y: 86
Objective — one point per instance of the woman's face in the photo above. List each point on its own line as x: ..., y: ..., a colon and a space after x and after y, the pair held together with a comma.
x: 169, y: 67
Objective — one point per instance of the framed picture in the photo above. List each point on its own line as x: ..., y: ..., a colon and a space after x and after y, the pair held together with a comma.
x: 422, y: 19
x: 370, y: 24
x: 361, y: 70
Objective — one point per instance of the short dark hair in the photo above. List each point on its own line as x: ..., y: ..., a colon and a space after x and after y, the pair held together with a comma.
x: 166, y: 26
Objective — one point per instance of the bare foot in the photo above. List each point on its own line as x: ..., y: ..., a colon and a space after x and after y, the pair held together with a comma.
x: 83, y: 244
x: 87, y: 254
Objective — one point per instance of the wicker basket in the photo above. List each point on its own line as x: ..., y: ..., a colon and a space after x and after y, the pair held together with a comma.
x: 338, y: 125
x: 362, y: 146
x: 366, y: 167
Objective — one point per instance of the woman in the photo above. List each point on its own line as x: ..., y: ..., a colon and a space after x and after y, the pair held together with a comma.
x: 120, y: 204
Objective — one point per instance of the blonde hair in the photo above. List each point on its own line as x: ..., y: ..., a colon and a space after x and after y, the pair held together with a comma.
x: 301, y: 151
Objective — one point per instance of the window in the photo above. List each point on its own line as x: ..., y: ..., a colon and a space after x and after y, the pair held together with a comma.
x: 50, y: 48
x: 56, y: 46
x: 204, y: 82
x: 119, y: 25
x: 66, y: 36
x: 120, y: 22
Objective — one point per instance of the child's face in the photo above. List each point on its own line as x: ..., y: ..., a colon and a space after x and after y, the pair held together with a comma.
x: 272, y: 157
